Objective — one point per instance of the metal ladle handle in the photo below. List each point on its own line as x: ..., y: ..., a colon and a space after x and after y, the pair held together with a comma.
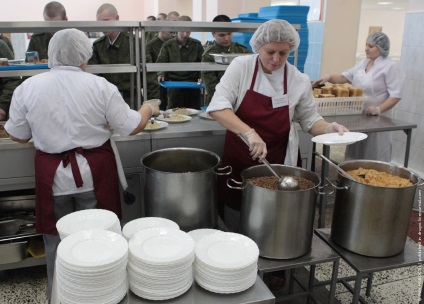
x: 264, y: 160
x: 336, y: 166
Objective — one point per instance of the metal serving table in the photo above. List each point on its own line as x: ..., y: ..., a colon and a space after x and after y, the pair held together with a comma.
x: 258, y: 293
x: 359, y: 123
x: 365, y: 266
x: 320, y: 253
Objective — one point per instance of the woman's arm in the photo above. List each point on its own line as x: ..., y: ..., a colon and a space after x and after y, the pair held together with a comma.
x: 335, y: 78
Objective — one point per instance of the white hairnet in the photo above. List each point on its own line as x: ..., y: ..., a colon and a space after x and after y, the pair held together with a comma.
x: 381, y: 41
x: 275, y: 31
x: 69, y: 47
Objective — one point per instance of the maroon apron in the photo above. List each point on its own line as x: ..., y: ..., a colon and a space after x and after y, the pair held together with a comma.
x: 105, y: 181
x: 272, y: 125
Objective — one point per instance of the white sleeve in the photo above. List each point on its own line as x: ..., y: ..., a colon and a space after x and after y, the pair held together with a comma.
x: 352, y: 71
x: 395, y: 78
x: 119, y: 115
x: 18, y: 125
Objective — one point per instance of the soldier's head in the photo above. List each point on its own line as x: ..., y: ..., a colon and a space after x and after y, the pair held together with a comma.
x: 54, y: 11
x: 108, y: 12
x: 161, y: 17
x: 183, y: 36
x: 165, y: 36
x: 173, y: 16
x: 224, y: 39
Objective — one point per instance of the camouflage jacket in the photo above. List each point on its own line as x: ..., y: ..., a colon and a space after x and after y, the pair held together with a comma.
x: 174, y: 51
x: 7, y: 84
x: 116, y: 53
x: 152, y: 52
x: 7, y: 41
x: 39, y: 42
x: 211, y: 78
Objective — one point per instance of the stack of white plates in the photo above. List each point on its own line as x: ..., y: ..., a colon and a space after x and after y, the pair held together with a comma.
x: 160, y: 264
x: 145, y: 223
x: 86, y: 220
x: 226, y: 262
x: 91, y: 268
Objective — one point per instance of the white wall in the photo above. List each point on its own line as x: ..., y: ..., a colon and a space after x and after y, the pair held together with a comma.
x: 392, y: 23
x: 410, y: 108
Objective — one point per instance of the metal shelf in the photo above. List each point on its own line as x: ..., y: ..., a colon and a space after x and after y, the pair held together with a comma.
x: 185, y: 66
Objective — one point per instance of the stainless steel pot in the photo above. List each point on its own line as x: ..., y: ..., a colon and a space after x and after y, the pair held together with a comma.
x: 180, y: 185
x: 280, y: 222
x: 369, y: 220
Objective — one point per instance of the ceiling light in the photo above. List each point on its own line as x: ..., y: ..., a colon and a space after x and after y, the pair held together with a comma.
x: 384, y: 3
x: 397, y: 8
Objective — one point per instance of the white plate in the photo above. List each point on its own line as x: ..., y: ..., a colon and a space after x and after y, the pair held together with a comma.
x: 146, y: 222
x: 175, y: 111
x: 91, y: 248
x: 206, y: 116
x: 161, y: 245
x: 184, y: 118
x: 199, y: 233
x: 86, y: 220
x: 333, y: 139
x: 163, y: 125
x: 227, y: 250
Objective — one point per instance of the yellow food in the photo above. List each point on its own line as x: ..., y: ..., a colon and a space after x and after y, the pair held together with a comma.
x: 173, y: 117
x: 152, y: 126
x: 182, y: 111
x: 380, y: 179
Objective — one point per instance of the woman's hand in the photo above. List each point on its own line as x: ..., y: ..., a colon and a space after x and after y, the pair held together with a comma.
x: 334, y: 127
x: 257, y: 145
x: 373, y: 111
x: 321, y: 81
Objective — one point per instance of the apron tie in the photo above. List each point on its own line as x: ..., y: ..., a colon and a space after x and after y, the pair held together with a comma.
x: 71, y: 158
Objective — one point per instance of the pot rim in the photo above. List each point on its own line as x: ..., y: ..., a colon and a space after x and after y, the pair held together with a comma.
x: 347, y: 162
x: 285, y: 166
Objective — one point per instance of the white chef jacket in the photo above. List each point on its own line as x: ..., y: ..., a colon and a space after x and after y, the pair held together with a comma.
x: 67, y: 108
x: 385, y: 79
x: 231, y: 89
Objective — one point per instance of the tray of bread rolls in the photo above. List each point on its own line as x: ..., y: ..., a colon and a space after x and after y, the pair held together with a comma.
x: 339, y: 99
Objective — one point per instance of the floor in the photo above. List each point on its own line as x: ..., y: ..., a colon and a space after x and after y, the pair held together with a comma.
x: 400, y: 286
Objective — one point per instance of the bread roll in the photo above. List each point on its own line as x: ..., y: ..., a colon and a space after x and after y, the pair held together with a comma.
x: 326, y: 89
x: 355, y: 92
x: 340, y: 91
x: 317, y: 91
x: 325, y: 95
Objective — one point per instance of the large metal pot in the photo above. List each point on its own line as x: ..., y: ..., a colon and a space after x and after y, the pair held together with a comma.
x: 369, y: 220
x: 280, y: 222
x: 180, y: 185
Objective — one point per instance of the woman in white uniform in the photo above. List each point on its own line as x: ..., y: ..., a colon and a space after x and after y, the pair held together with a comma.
x: 381, y: 79
x: 261, y: 96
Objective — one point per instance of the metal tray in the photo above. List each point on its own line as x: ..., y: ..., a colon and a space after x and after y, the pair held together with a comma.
x: 226, y: 58
x: 13, y: 252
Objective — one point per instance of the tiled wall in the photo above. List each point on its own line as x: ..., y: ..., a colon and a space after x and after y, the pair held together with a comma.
x: 411, y: 107
x: 314, y: 58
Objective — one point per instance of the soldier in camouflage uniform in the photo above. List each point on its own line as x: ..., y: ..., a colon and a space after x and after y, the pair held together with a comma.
x: 7, y: 84
x: 8, y: 42
x: 39, y: 42
x: 222, y: 45
x: 114, y: 48
x: 182, y: 49
x: 152, y: 52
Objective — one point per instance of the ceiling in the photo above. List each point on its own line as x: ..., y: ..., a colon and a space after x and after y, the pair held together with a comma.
x: 392, y: 4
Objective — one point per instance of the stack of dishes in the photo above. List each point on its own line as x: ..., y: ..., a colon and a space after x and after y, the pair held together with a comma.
x: 226, y: 262
x: 91, y: 267
x: 139, y: 224
x: 160, y: 264
x: 87, y: 220
x: 198, y: 234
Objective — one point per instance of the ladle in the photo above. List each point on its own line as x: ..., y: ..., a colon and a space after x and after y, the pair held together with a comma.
x: 336, y: 166
x: 286, y: 183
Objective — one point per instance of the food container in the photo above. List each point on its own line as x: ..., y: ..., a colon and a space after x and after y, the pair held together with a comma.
x: 32, y: 57
x: 13, y: 252
x: 369, y: 220
x: 180, y: 185
x: 280, y: 222
x: 226, y: 58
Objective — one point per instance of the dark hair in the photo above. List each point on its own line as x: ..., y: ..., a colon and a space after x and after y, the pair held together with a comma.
x: 54, y: 9
x: 221, y: 18
x: 151, y: 17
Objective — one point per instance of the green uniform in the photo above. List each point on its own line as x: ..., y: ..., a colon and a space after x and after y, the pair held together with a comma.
x: 117, y: 53
x: 150, y: 36
x: 211, y: 78
x: 7, y: 84
x: 174, y: 51
x: 8, y: 42
x: 152, y: 52
x: 39, y: 42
